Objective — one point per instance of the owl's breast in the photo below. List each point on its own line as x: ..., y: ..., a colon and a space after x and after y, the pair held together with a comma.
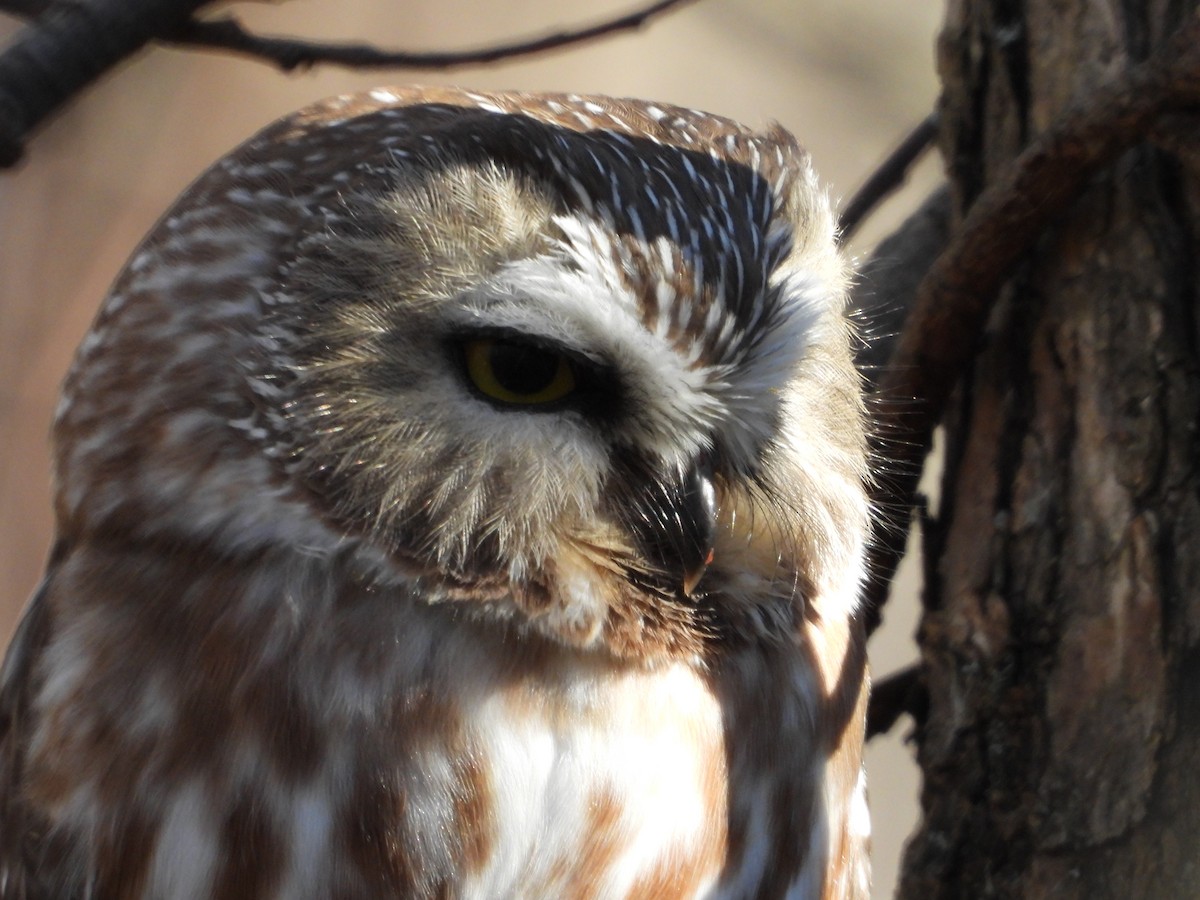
x: 538, y: 772
x: 324, y: 739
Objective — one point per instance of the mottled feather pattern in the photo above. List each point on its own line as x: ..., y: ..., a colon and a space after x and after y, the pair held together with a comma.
x: 324, y: 621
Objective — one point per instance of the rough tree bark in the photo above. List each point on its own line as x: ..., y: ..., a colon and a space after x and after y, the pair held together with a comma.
x: 1061, y: 636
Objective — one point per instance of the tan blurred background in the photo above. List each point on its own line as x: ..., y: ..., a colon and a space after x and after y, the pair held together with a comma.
x: 849, y: 77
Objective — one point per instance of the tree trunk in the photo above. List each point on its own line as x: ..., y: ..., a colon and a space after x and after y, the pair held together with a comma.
x: 1061, y: 637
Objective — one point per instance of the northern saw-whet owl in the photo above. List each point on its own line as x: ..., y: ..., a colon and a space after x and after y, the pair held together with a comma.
x: 458, y: 495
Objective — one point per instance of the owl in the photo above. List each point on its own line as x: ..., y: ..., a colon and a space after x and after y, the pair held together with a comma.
x: 458, y: 495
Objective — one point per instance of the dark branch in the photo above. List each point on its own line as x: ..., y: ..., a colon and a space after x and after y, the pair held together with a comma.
x: 901, y: 692
x: 885, y: 286
x: 289, y: 53
x: 890, y: 175
x: 70, y: 44
x: 65, y: 49
x: 25, y: 9
x: 954, y: 299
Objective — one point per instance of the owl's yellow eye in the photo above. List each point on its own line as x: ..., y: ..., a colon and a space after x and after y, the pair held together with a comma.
x: 518, y: 373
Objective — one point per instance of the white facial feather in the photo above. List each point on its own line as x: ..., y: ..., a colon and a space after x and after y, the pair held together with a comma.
x: 577, y: 297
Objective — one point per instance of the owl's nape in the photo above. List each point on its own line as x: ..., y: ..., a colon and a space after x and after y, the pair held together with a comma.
x: 458, y: 495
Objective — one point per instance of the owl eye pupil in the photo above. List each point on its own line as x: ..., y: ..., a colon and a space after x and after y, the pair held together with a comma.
x: 514, y: 373
x: 522, y: 369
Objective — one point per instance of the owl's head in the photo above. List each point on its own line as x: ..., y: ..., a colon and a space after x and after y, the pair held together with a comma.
x: 581, y: 362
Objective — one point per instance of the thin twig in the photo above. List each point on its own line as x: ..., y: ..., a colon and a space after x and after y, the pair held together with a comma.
x: 887, y: 178
x: 290, y: 53
x: 71, y: 44
x: 954, y: 299
x: 885, y: 286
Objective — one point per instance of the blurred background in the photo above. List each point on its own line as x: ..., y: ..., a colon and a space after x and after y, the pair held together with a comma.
x: 848, y: 77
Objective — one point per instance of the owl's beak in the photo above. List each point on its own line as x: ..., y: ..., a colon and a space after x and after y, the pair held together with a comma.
x: 674, y: 518
x: 698, y: 513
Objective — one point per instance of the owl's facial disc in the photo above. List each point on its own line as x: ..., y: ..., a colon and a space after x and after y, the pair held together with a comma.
x: 546, y: 403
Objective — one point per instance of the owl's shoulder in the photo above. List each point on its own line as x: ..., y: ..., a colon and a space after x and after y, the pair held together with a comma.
x: 33, y: 859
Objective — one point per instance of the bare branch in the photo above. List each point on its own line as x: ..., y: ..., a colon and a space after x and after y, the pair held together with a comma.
x: 67, y: 48
x: 954, y: 300
x: 25, y: 9
x: 885, y: 286
x: 71, y: 44
x: 886, y: 179
x: 290, y: 53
